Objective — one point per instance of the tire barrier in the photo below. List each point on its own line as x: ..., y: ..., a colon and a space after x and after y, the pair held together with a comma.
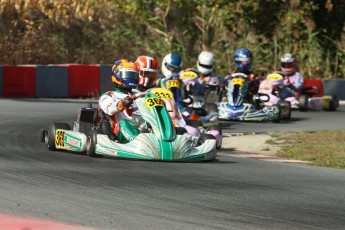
x: 336, y: 87
x: 315, y: 82
x: 85, y: 81
x: 19, y: 81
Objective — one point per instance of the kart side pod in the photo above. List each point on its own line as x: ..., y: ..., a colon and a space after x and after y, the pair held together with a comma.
x: 60, y: 136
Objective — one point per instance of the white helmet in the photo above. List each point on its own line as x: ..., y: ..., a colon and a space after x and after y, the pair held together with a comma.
x: 287, y: 63
x: 205, y: 62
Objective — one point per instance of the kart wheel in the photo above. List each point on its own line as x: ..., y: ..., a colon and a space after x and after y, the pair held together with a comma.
x: 91, y: 143
x: 216, y: 131
x: 278, y: 119
x: 286, y: 106
x: 334, y: 103
x: 215, y: 127
x: 49, y: 134
x: 180, y: 130
x: 303, y: 103
x: 205, y: 137
x: 211, y: 108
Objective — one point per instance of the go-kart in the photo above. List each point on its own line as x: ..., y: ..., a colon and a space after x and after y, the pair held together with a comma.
x: 195, y: 127
x: 160, y: 140
x: 276, y: 86
x: 236, y: 109
x: 202, y: 111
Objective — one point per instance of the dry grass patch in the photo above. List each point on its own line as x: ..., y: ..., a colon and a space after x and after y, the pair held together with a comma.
x: 322, y: 148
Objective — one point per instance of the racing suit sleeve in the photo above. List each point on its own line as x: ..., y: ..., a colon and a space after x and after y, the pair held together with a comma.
x: 110, y: 104
x: 299, y: 81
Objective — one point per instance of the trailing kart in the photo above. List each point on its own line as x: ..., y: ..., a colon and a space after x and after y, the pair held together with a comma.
x: 159, y: 141
x: 202, y: 111
x: 236, y: 109
x: 274, y: 86
x: 194, y: 127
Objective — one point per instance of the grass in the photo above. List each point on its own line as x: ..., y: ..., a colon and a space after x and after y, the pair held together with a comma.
x: 321, y: 148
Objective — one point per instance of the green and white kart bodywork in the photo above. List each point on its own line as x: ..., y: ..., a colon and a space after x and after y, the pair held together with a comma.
x: 159, y: 142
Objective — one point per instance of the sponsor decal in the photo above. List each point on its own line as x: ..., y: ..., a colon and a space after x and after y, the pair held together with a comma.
x: 107, y: 151
x: 73, y: 142
x: 126, y: 134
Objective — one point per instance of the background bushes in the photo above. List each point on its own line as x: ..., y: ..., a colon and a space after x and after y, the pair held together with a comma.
x: 99, y: 31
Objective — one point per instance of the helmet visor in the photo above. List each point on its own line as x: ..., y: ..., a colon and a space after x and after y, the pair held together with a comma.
x: 129, y: 74
x: 287, y: 65
x: 245, y: 62
x: 173, y: 68
x: 149, y: 74
x: 206, y: 66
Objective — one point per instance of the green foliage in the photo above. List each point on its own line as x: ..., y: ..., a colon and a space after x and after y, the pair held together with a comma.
x: 99, y: 31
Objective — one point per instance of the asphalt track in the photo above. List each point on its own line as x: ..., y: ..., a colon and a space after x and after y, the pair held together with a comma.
x: 108, y: 193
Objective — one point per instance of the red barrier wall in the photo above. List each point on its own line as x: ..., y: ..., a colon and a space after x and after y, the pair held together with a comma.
x: 83, y: 80
x: 19, y: 81
x: 315, y: 82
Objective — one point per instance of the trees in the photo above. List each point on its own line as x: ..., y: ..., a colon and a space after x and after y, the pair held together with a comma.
x: 100, y: 31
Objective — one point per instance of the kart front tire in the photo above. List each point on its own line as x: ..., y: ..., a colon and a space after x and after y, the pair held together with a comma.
x: 278, y: 119
x: 285, y: 104
x: 303, y: 103
x: 49, y: 135
x: 91, y: 143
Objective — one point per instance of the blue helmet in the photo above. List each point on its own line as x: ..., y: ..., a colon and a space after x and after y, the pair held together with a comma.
x: 125, y: 74
x: 172, y: 65
x: 243, y: 59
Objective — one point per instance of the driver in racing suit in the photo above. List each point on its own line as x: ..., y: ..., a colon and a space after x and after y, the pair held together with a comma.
x: 293, y: 79
x: 116, y: 105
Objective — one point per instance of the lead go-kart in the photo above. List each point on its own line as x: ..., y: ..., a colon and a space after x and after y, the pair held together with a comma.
x: 195, y: 128
x: 236, y: 109
x: 274, y: 86
x: 160, y: 140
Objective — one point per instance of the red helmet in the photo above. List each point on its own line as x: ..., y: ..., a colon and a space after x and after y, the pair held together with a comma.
x: 148, y: 71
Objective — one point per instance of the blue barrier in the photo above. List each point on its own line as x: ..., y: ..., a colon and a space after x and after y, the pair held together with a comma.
x: 51, y: 81
x: 335, y: 86
x: 105, y: 78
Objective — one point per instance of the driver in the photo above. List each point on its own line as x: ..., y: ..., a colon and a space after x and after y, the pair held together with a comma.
x: 293, y: 79
x: 116, y: 105
x: 243, y: 59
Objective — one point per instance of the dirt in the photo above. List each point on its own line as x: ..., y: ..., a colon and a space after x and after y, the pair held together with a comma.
x: 254, y: 143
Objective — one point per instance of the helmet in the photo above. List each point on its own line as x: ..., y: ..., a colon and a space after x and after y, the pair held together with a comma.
x: 287, y: 63
x: 172, y: 65
x: 205, y: 62
x: 125, y: 74
x: 243, y: 59
x: 148, y: 71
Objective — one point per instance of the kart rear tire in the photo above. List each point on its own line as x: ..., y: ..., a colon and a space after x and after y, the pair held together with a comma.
x: 91, y: 143
x: 211, y: 108
x: 303, y: 103
x: 49, y: 135
x: 334, y: 103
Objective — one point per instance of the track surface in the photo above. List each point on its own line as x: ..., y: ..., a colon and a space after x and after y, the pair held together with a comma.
x: 108, y: 193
